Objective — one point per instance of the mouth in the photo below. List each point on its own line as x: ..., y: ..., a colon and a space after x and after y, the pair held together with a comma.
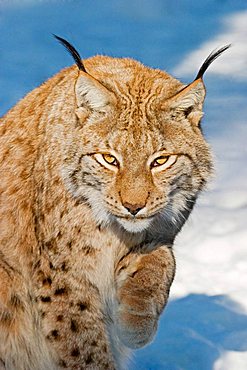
x: 134, y: 224
x: 134, y: 218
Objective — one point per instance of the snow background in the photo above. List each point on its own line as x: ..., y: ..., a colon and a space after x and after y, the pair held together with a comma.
x: 205, y: 324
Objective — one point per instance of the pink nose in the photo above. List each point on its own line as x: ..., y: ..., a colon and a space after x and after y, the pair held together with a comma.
x: 133, y: 208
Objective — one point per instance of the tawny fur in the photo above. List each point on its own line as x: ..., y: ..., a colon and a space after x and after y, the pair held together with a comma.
x: 83, y: 280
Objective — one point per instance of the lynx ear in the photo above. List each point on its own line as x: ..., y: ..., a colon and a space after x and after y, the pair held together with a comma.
x: 91, y: 94
x: 190, y: 99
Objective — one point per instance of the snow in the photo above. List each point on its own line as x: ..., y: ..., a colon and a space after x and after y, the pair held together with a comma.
x: 204, y: 326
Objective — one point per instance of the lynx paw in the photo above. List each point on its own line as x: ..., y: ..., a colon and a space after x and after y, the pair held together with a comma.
x: 142, y: 292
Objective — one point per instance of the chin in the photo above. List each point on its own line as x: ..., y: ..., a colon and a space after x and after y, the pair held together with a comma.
x: 135, y: 225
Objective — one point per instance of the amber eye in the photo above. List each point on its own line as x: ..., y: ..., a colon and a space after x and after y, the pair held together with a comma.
x: 160, y: 161
x: 110, y: 159
x: 107, y: 160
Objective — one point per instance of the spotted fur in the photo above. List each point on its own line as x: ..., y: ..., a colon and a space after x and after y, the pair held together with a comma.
x: 86, y: 258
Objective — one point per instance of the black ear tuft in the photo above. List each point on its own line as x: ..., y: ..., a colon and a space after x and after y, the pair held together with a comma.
x: 215, y: 54
x: 73, y: 52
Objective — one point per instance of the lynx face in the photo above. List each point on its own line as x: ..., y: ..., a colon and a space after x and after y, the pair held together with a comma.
x: 137, y: 155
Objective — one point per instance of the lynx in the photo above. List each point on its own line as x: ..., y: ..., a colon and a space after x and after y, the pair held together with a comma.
x: 100, y: 168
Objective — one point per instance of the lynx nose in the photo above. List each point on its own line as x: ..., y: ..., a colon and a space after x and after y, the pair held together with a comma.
x: 133, y: 208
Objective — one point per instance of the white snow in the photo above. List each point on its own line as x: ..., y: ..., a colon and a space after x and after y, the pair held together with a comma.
x: 211, y: 250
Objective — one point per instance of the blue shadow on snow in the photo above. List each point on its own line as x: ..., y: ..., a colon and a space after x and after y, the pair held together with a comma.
x: 193, y: 333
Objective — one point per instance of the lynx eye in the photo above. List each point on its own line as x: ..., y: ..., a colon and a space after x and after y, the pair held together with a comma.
x: 110, y: 159
x: 163, y: 162
x: 159, y: 161
x: 107, y: 160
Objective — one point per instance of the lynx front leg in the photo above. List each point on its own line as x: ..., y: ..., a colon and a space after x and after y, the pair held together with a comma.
x: 143, y: 284
x: 21, y: 345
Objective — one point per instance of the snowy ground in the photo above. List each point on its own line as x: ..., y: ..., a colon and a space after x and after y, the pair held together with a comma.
x: 205, y: 324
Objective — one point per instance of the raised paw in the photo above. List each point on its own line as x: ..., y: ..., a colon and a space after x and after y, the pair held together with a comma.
x: 143, y: 284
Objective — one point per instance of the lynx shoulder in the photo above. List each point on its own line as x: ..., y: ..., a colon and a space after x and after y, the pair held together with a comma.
x: 100, y: 168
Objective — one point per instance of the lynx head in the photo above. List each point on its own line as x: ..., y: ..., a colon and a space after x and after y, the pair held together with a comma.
x: 137, y: 155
